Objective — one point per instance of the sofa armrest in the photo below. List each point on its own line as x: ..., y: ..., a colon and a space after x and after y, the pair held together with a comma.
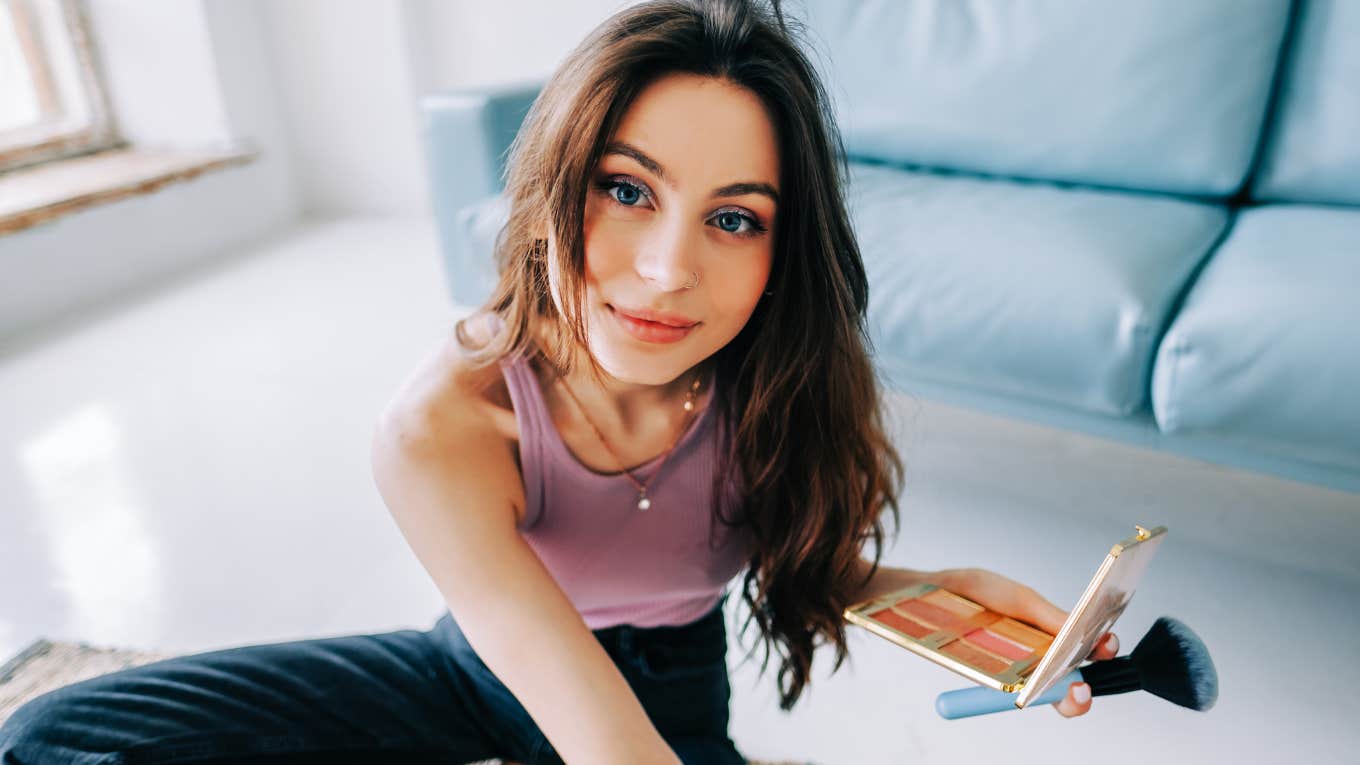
x: 467, y: 135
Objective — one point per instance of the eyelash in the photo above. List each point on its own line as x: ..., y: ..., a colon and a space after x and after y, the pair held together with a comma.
x: 609, y: 184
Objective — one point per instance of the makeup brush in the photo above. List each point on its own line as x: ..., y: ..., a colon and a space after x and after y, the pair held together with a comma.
x: 1170, y: 661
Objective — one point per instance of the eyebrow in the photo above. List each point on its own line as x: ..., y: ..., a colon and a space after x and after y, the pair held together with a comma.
x: 655, y: 168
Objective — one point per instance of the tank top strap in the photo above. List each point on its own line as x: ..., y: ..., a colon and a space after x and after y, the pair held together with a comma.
x: 531, y: 419
x: 531, y: 415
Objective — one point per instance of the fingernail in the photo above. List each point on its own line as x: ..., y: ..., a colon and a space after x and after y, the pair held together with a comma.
x: 1082, y: 693
x: 1112, y: 642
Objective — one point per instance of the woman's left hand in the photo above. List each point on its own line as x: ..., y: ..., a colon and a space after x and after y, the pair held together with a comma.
x: 1017, y: 601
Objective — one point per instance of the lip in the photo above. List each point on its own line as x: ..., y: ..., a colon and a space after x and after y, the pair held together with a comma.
x: 650, y: 331
x: 657, y: 317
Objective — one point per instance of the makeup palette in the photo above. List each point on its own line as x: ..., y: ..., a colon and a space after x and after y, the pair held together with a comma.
x: 995, y: 650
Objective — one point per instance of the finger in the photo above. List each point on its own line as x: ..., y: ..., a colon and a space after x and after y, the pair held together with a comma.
x: 1077, y: 701
x: 1039, y: 611
x: 1005, y: 595
x: 1107, y: 648
x: 1047, y: 615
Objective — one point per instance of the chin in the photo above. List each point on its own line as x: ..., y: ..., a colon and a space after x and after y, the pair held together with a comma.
x: 638, y: 369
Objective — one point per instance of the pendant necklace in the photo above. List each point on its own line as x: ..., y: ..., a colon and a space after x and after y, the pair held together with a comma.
x: 644, y: 502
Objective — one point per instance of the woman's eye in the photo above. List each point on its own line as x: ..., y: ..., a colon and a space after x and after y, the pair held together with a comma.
x: 731, y: 222
x: 630, y: 194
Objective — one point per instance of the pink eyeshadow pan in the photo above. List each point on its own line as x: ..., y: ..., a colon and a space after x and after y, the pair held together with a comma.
x: 960, y: 649
x: 999, y: 645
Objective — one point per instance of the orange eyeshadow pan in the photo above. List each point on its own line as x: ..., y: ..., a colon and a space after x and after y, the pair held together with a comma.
x: 929, y: 613
x: 952, y: 603
x: 1020, y: 633
x: 960, y: 649
x: 901, y: 623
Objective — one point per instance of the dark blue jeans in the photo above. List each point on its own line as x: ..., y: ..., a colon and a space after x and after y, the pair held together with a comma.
x: 407, y: 696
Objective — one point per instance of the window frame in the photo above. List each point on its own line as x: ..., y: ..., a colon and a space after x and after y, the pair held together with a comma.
x: 38, y: 143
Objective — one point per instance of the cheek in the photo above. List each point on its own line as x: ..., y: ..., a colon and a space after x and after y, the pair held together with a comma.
x: 740, y: 285
x: 607, y: 247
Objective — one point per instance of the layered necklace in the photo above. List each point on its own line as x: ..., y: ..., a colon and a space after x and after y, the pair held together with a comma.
x: 644, y: 502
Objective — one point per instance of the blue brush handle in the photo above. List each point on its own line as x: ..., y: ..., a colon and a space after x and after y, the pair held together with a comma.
x: 968, y: 702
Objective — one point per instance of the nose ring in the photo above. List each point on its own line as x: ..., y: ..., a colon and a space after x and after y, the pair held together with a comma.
x: 696, y: 281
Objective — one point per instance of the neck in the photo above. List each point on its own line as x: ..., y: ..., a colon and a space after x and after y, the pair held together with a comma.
x: 631, y: 404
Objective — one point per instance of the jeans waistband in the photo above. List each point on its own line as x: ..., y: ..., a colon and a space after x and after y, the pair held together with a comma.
x: 627, y: 637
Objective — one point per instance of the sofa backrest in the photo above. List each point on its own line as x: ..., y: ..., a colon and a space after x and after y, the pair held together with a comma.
x: 1313, y: 151
x: 1158, y: 95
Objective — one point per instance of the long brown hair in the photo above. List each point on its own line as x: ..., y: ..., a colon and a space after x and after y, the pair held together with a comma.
x: 808, y: 439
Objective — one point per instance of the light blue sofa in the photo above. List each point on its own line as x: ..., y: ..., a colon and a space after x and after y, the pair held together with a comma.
x: 1136, y: 220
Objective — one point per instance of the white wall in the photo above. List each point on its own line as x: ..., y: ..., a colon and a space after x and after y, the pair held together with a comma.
x: 473, y: 43
x: 156, y: 104
x: 344, y: 74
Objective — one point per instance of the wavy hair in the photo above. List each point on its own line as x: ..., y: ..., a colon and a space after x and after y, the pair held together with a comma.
x: 808, y: 446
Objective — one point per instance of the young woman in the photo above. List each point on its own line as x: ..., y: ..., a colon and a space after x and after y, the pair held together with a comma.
x: 669, y: 387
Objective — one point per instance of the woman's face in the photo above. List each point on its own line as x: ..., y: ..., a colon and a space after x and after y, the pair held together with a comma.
x: 687, y: 188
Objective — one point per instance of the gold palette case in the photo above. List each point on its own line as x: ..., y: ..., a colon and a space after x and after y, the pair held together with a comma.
x: 1105, y: 598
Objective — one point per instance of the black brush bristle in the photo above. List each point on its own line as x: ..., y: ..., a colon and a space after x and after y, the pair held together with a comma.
x: 1170, y: 661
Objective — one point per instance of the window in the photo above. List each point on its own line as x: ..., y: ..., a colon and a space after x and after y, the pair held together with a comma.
x: 52, y: 101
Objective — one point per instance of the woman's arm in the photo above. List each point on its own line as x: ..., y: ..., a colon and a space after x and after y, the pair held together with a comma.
x: 1002, y: 595
x: 450, y: 501
x: 886, y: 579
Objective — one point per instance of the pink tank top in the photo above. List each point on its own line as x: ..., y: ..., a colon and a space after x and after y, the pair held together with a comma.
x: 619, y: 564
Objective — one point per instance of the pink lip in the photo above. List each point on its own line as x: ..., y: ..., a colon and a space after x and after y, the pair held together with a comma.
x: 650, y: 331
x: 658, y: 317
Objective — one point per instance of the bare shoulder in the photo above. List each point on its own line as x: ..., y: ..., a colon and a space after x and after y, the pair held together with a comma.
x: 446, y: 392
x: 452, y: 409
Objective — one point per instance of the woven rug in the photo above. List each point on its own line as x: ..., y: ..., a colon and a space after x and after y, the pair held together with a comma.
x: 47, y: 665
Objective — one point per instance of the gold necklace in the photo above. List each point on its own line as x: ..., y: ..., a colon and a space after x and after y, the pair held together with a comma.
x: 643, y: 501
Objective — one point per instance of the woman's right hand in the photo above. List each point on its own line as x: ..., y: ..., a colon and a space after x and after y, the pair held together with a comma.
x: 1009, y: 597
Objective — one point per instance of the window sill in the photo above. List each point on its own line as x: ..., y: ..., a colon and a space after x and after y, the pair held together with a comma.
x: 33, y: 195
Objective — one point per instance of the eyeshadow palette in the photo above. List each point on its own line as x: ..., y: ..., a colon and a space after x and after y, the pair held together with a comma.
x: 995, y: 650
x: 988, y: 647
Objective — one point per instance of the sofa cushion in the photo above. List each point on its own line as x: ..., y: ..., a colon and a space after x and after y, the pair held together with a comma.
x: 1159, y: 95
x: 1264, y: 351
x: 1048, y: 293
x: 1313, y: 154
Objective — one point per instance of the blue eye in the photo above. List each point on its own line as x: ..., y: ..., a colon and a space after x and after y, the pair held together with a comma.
x: 629, y: 194
x: 734, y: 220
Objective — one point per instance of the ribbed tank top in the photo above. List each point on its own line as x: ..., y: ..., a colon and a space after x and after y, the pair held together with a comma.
x: 618, y: 564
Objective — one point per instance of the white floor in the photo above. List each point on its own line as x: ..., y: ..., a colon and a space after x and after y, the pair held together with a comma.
x: 188, y: 470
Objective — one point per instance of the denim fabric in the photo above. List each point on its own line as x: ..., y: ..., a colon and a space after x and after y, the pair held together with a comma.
x: 407, y: 696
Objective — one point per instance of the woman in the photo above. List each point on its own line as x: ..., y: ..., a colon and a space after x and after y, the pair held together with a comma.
x: 669, y: 386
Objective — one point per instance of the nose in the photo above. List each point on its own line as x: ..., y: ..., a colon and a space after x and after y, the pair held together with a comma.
x: 667, y: 257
